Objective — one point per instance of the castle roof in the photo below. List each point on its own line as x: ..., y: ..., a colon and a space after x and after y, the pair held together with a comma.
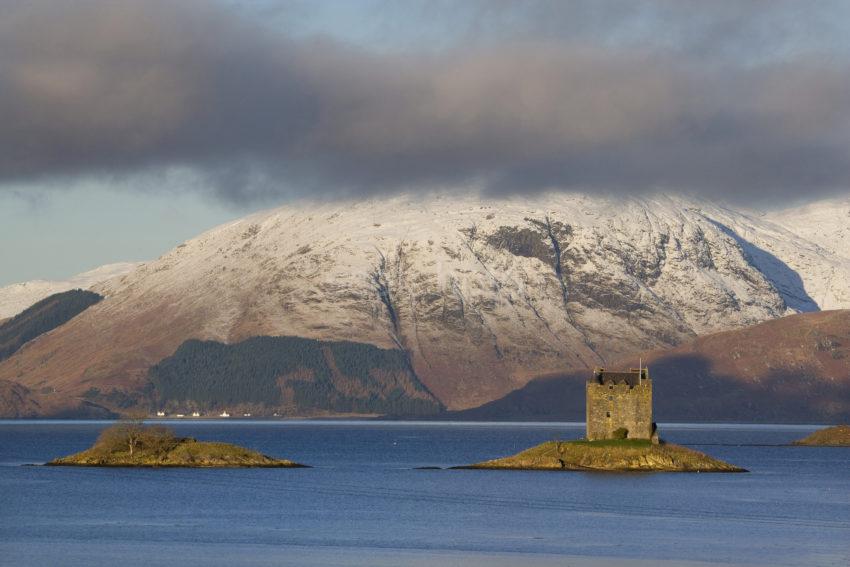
x: 631, y: 377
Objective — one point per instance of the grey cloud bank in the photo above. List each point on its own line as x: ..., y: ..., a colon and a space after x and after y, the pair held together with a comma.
x: 126, y: 88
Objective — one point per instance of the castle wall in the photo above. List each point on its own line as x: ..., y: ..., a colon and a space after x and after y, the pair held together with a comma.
x: 611, y: 406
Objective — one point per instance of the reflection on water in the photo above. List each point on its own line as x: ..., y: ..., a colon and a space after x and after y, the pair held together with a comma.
x: 365, y: 504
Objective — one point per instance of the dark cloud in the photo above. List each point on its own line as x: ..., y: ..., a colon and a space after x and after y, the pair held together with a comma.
x: 644, y: 102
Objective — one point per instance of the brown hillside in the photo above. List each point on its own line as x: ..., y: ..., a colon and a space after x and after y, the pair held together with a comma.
x: 792, y: 369
x: 17, y: 401
x: 96, y: 349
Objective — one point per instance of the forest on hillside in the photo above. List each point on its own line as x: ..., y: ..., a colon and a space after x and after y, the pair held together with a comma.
x: 293, y: 375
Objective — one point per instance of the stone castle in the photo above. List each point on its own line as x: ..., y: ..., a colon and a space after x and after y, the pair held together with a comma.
x: 620, y: 401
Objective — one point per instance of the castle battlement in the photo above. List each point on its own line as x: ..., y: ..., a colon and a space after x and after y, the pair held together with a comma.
x: 619, y: 400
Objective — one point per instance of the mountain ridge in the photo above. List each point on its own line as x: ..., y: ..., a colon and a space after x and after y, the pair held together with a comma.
x: 482, y: 293
x: 16, y: 297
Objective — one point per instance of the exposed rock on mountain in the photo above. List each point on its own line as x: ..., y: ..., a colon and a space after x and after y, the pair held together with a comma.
x: 480, y: 294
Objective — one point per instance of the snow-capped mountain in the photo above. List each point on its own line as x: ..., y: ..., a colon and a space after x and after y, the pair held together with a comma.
x: 16, y: 297
x: 483, y: 293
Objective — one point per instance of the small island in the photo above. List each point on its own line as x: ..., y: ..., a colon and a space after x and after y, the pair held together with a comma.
x: 621, y: 435
x: 137, y: 445
x: 837, y: 436
x: 609, y: 455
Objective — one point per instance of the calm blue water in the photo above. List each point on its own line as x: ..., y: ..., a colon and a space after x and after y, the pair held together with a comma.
x: 364, y: 504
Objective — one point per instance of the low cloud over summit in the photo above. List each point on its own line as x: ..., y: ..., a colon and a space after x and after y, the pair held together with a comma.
x: 749, y: 102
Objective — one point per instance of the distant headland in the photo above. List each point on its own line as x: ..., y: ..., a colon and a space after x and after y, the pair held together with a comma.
x: 838, y: 436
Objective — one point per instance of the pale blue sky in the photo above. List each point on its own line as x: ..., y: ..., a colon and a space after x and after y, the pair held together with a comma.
x: 58, y: 234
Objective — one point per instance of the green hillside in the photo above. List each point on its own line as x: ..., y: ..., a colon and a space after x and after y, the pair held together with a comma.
x: 42, y: 317
x: 292, y: 375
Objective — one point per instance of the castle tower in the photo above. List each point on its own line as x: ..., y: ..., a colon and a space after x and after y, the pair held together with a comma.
x: 619, y: 400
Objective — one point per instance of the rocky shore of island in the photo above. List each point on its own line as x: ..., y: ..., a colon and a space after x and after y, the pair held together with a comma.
x: 609, y: 455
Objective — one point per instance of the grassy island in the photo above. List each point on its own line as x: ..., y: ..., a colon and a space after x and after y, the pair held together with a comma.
x: 838, y: 436
x: 609, y: 455
x: 136, y: 445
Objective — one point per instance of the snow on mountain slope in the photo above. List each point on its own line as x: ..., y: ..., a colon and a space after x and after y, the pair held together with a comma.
x: 804, y: 251
x: 825, y: 223
x: 483, y: 293
x: 15, y: 298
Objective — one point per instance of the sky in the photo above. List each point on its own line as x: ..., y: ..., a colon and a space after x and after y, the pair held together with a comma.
x: 131, y: 125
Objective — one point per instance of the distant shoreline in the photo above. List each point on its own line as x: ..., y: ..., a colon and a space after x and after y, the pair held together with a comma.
x: 365, y: 421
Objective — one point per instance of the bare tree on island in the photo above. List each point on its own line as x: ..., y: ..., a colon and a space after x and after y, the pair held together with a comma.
x: 131, y: 434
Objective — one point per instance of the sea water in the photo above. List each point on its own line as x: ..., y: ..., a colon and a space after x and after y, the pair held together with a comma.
x: 366, y: 502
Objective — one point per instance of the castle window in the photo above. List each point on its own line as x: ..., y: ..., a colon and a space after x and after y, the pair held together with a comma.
x: 610, y: 398
x: 607, y: 414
